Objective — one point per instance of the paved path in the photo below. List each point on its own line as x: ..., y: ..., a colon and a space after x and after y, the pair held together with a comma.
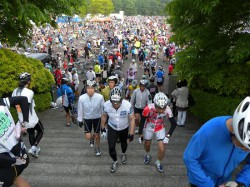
x: 67, y: 160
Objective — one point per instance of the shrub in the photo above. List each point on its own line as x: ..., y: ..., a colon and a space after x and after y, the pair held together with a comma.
x: 13, y: 64
x: 209, y: 105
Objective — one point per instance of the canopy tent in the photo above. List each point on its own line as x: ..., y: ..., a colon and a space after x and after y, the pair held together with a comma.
x: 95, y: 19
x: 106, y: 19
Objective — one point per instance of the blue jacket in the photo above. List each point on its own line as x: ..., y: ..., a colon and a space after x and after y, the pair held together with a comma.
x: 211, y: 157
x: 69, y: 92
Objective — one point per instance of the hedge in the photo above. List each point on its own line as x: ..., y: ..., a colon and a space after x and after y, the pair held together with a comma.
x: 210, y: 105
x: 13, y: 64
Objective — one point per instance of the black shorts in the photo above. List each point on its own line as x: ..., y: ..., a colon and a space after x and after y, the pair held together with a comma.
x: 89, y: 123
x: 67, y: 109
x: 146, y: 70
x: 138, y: 111
x: 8, y: 175
x: 159, y: 83
x: 98, y: 75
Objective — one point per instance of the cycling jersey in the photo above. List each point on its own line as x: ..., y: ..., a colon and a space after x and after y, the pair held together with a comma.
x: 105, y: 93
x: 155, y: 120
x: 140, y: 99
x: 33, y: 119
x: 211, y: 157
x: 130, y: 91
x: 159, y: 76
x: 69, y: 92
x: 90, y: 107
x: 118, y: 118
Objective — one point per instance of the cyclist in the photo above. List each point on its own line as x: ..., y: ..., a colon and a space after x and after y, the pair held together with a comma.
x: 90, y: 107
x: 131, y: 89
x: 13, y: 154
x: 68, y: 101
x: 153, y: 89
x: 160, y: 77
x: 218, y: 147
x: 154, y: 114
x: 139, y: 99
x: 112, y: 82
x: 35, y: 127
x: 120, y: 122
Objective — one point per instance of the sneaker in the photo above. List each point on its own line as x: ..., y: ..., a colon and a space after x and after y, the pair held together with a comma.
x: 97, y: 151
x: 136, y: 131
x: 91, y: 142
x: 33, y: 153
x: 159, y: 167
x: 38, y: 149
x: 147, y: 159
x: 113, y: 167
x: 124, y: 158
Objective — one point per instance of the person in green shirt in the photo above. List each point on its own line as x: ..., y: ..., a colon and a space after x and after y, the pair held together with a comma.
x: 97, y: 70
x: 112, y: 81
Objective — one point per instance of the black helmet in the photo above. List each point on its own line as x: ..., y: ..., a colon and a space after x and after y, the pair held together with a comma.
x: 24, y: 78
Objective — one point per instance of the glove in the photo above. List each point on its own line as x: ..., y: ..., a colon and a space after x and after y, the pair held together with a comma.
x: 234, y: 184
x: 130, y: 137
x: 140, y: 139
x: 24, y: 124
x: 103, y: 133
x: 165, y: 140
x: 20, y: 161
x: 80, y: 124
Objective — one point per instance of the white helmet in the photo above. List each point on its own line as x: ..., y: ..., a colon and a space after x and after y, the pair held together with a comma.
x: 241, y: 122
x: 161, y: 100
x: 134, y: 83
x: 91, y: 83
x: 143, y: 82
x: 116, y: 94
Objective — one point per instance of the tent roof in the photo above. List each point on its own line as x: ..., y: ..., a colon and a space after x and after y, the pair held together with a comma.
x: 95, y: 19
x: 106, y: 19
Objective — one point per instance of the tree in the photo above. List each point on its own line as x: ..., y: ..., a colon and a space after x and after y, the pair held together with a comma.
x: 216, y: 38
x: 16, y: 16
x: 104, y: 7
x: 118, y: 5
x: 129, y: 7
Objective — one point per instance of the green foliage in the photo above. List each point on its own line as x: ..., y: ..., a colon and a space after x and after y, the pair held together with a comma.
x: 104, y: 7
x: 216, y: 43
x: 42, y: 101
x: 209, y: 105
x: 15, y: 16
x: 13, y: 64
x: 140, y: 7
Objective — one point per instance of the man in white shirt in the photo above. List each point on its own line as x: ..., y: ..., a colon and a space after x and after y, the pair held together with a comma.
x: 34, y: 123
x: 90, y: 108
x: 120, y: 122
x: 90, y: 74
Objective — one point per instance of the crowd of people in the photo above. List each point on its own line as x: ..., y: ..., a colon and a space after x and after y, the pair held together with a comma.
x: 117, y: 103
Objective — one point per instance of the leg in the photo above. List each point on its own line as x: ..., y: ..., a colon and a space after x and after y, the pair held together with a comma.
x: 20, y: 182
x: 123, y: 135
x: 183, y: 119
x: 112, y: 137
x: 96, y: 124
x: 179, y: 117
x: 31, y: 132
x: 161, y: 150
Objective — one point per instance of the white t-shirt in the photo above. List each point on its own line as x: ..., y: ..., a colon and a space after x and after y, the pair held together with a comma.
x: 118, y: 118
x: 90, y: 75
x: 33, y: 119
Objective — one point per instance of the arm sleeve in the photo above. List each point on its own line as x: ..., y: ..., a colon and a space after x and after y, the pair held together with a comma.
x: 80, y: 111
x: 244, y: 175
x: 192, y: 154
x: 23, y: 102
x: 173, y: 125
x: 6, y: 161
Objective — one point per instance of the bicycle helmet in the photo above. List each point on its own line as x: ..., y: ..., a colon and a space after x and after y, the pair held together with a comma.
x: 65, y: 80
x: 116, y: 95
x: 91, y: 83
x: 113, y: 78
x: 24, y: 78
x: 143, y: 82
x: 134, y: 83
x: 152, y: 78
x: 241, y: 122
x: 160, y: 100
x: 160, y: 67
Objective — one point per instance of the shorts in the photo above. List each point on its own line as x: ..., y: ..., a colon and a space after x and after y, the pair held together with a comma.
x: 159, y: 83
x: 160, y: 135
x: 8, y: 175
x: 89, y: 123
x: 138, y: 111
x: 146, y: 70
x: 98, y: 75
x: 68, y: 108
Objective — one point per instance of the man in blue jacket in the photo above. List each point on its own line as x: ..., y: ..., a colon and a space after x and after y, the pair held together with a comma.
x: 218, y: 147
